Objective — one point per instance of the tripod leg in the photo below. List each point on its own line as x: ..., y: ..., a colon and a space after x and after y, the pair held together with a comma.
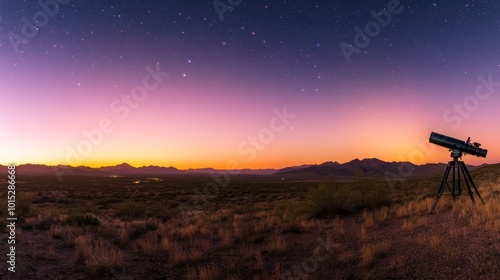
x: 466, y: 172
x: 466, y: 179
x: 452, y: 187
x: 459, y: 185
x: 441, y: 187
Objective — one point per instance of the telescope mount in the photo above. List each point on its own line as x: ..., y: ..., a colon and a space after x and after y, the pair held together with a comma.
x: 459, y: 170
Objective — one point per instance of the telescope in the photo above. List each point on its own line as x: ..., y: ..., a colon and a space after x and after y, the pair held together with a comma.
x: 455, y: 144
x: 458, y: 167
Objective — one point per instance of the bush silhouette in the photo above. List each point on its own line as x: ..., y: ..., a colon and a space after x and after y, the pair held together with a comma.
x: 331, y: 198
x: 83, y: 220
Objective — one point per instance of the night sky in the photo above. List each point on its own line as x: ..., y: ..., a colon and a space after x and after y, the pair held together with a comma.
x: 262, y: 84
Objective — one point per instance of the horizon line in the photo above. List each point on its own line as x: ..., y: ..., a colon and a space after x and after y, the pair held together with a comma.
x: 243, y: 168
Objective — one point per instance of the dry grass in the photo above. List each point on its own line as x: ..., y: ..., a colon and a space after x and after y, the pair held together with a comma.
x: 191, y: 273
x: 478, y: 214
x: 277, y: 244
x: 97, y: 254
x: 413, y: 223
x: 347, y: 256
x: 203, y: 272
x: 407, y: 225
x: 338, y: 226
x: 188, y: 231
x: 165, y: 243
x: 67, y: 233
x: 368, y: 219
x: 277, y: 272
x: 450, y: 255
x: 476, y: 264
x: 57, y: 232
x: 371, y: 252
x: 180, y: 255
x: 362, y: 234
x: 208, y: 272
x: 434, y: 241
x: 306, y: 225
x: 443, y: 250
x: 412, y: 208
x: 43, y: 221
x: 397, y: 263
x: 382, y: 215
x: 259, y: 262
x: 225, y: 236
x: 122, y: 235
x: 149, y: 243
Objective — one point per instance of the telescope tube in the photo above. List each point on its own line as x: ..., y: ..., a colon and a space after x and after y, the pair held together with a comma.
x: 455, y: 144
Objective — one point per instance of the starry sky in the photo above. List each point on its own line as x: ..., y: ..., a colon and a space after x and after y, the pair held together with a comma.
x: 246, y: 84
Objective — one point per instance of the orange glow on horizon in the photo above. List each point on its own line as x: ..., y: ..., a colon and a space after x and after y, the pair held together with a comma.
x: 437, y: 157
x: 394, y: 128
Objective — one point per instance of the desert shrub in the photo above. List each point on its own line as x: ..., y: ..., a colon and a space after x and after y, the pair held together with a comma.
x: 56, y: 232
x: 329, y: 199
x: 292, y: 211
x: 83, y: 220
x: 43, y: 222
x: 23, y: 204
x: 241, y: 209
x: 131, y: 209
x: 163, y: 211
x: 139, y: 228
x: 149, y: 243
x: 67, y: 233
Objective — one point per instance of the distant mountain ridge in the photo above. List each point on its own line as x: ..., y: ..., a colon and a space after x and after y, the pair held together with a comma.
x: 127, y: 169
x: 354, y: 168
x: 358, y: 168
x: 123, y: 169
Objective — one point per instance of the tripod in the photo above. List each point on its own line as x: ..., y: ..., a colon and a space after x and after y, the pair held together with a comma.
x: 459, y: 170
